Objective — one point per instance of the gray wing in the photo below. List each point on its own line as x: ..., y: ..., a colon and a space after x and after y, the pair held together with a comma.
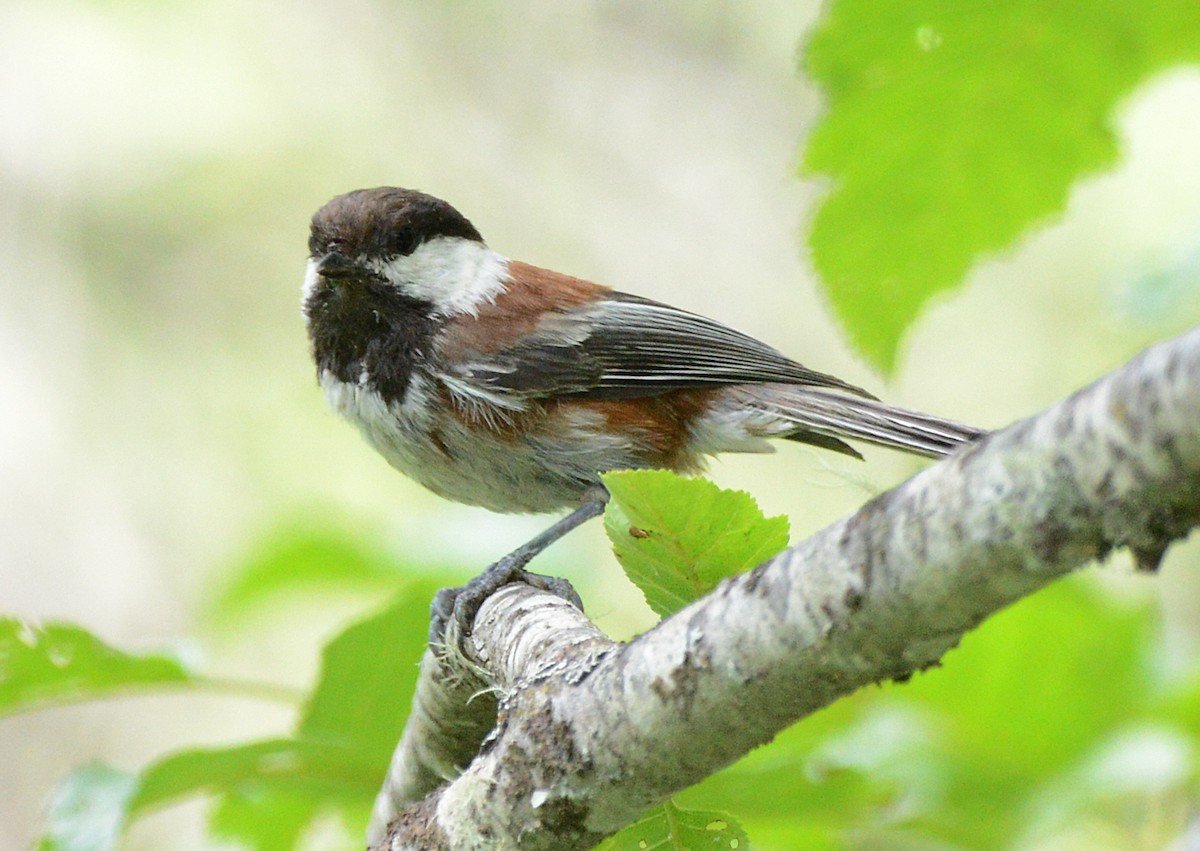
x: 626, y: 347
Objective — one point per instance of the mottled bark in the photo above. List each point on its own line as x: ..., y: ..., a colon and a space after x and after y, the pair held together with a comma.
x: 590, y: 733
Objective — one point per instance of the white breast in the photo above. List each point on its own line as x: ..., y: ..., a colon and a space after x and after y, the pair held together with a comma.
x: 437, y: 449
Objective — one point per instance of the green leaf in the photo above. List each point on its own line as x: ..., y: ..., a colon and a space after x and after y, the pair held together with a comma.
x: 950, y: 129
x: 303, y: 556
x: 1035, y: 685
x: 284, y: 782
x: 87, y: 811
x: 61, y: 663
x: 672, y: 828
x: 1027, y: 696
x: 268, y: 792
x: 321, y: 772
x: 677, y: 537
x: 785, y: 800
x: 345, y: 739
x: 368, y: 676
x: 263, y: 819
x: 780, y: 782
x: 1181, y: 704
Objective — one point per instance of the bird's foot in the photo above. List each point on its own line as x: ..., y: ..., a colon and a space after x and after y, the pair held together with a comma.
x: 462, y: 603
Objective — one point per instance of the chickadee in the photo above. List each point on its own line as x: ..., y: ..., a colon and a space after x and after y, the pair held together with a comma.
x: 496, y: 383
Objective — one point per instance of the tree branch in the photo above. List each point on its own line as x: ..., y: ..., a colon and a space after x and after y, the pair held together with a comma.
x: 591, y: 733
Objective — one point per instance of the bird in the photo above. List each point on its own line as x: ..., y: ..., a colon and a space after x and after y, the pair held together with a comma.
x: 501, y: 384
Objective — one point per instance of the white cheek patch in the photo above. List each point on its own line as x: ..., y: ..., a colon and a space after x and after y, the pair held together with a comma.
x: 310, y: 284
x: 455, y: 274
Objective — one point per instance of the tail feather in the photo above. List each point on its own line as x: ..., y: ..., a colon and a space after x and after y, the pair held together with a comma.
x: 829, y: 416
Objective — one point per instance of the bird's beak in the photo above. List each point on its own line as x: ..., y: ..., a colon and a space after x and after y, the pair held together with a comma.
x: 335, y: 265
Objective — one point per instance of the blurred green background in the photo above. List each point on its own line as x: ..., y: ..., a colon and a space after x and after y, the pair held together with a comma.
x: 161, y: 425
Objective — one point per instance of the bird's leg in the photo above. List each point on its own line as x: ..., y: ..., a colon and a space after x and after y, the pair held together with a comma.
x: 463, y: 602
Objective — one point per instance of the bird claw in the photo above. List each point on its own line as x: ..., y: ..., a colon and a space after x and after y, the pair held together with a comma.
x: 462, y: 603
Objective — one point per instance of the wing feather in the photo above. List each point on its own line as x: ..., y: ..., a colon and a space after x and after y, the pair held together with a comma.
x: 625, y: 346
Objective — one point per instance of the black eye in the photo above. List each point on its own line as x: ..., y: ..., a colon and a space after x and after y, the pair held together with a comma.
x: 400, y: 241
